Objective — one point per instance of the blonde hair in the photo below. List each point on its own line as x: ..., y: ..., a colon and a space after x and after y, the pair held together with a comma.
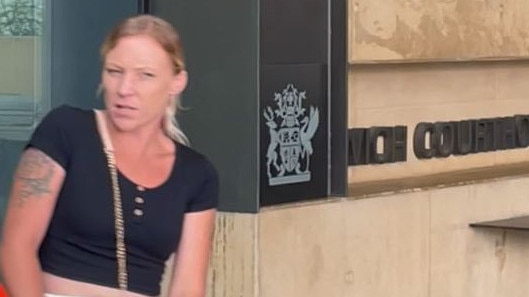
x: 166, y: 35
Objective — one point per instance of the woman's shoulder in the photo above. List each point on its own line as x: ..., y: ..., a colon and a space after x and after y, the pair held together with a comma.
x: 195, y: 162
x: 202, y: 179
x: 60, y: 132
x: 67, y: 112
x: 65, y: 123
x: 66, y: 118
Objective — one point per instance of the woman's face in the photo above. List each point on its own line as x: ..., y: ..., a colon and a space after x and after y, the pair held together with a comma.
x: 138, y: 82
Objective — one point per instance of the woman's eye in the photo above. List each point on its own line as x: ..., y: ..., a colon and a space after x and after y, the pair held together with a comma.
x: 147, y: 74
x: 112, y: 71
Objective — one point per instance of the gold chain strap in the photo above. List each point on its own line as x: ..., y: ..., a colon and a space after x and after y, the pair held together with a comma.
x: 121, y: 251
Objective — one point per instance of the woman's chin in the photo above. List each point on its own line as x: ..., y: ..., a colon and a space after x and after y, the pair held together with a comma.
x: 123, y: 124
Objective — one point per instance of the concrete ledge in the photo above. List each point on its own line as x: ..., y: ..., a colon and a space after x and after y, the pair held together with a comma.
x: 440, y: 180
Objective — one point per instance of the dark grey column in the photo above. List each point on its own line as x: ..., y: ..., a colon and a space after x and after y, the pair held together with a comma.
x: 293, y: 100
x: 221, y: 47
x: 259, y: 95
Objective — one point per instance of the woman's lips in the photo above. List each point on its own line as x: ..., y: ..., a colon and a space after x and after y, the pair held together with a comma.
x: 123, y: 106
x: 121, y: 110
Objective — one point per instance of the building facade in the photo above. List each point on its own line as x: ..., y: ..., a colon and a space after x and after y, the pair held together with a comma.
x: 356, y: 141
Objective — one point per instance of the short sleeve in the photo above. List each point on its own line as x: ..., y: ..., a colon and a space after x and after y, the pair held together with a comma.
x: 208, y: 191
x: 51, y: 136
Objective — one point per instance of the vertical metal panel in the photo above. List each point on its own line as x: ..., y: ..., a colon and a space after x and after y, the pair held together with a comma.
x: 338, y: 98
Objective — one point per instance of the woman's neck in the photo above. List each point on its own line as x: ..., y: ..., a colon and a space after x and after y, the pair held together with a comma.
x: 147, y: 140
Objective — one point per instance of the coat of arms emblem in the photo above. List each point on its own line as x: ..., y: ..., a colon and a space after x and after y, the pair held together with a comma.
x: 291, y: 130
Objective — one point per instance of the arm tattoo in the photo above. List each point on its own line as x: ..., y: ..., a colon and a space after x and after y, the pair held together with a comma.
x: 34, y: 176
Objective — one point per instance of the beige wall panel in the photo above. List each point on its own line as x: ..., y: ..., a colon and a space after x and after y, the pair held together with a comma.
x: 512, y: 83
x: 408, y: 94
x: 417, y: 30
x: 17, y: 64
x: 233, y: 263
x: 372, y: 247
x: 410, y: 244
x: 468, y: 262
x: 425, y: 86
x: 233, y: 266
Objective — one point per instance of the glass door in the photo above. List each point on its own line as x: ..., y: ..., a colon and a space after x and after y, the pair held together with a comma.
x: 23, y: 99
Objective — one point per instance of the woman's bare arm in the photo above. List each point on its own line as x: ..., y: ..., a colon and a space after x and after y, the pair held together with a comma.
x: 36, y: 184
x: 192, y: 257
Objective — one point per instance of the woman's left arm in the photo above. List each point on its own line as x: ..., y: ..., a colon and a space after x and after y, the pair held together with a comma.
x: 192, y: 256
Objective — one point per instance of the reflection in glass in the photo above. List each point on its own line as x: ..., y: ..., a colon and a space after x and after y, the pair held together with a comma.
x: 20, y: 18
x: 21, y: 96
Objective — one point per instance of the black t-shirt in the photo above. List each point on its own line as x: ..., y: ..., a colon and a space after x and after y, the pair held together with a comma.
x: 80, y: 241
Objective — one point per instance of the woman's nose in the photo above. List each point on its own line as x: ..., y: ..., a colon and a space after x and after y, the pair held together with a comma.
x: 126, y: 85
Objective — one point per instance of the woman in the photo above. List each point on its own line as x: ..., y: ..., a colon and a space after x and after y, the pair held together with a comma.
x: 69, y: 230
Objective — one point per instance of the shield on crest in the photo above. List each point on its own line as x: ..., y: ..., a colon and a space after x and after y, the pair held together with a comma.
x: 290, y: 147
